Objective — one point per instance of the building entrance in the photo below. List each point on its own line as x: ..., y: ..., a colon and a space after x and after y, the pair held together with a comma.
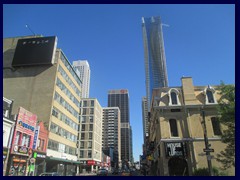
x: 177, y: 167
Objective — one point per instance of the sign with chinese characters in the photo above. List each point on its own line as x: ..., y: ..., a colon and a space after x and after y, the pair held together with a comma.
x: 175, y: 149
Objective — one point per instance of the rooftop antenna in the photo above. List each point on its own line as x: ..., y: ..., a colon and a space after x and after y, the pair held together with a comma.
x: 30, y: 30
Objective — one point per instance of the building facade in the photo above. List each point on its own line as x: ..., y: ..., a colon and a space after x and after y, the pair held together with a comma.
x: 90, y: 135
x: 50, y: 90
x: 83, y: 71
x: 178, y: 138
x: 112, y: 134
x: 144, y: 118
x: 154, y: 55
x: 8, y: 129
x: 120, y: 98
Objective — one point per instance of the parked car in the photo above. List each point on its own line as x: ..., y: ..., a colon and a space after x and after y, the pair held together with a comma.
x: 102, y: 172
x: 126, y: 172
x: 49, y: 174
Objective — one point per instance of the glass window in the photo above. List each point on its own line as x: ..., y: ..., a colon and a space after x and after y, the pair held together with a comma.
x: 173, y: 127
x: 91, y: 119
x: 216, y: 126
x: 82, y: 144
x: 90, y: 135
x: 174, y: 98
x: 90, y: 127
x: 210, y: 96
x: 81, y: 154
x: 89, y: 144
x: 89, y: 154
x: 92, y: 103
x: 92, y: 111
x: 84, y: 103
x: 82, y: 135
x: 83, y: 127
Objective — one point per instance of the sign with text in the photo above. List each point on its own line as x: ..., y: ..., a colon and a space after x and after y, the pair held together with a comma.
x: 175, y: 149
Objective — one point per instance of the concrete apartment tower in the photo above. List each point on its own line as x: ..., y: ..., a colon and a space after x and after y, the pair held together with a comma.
x: 49, y: 88
x: 83, y: 71
x: 120, y: 98
x: 90, y: 135
x: 112, y: 134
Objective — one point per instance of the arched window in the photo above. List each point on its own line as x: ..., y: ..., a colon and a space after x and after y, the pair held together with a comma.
x: 173, y: 95
x: 173, y: 127
x: 209, y: 95
x: 174, y: 98
x: 210, y: 98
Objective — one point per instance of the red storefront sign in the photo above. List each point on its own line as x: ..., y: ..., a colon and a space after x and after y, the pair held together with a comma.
x: 90, y: 162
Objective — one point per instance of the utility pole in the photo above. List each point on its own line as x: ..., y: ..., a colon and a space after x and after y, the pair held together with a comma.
x: 207, y: 145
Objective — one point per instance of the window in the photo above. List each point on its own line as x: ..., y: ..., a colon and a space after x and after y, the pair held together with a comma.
x: 216, y: 126
x: 174, y: 98
x: 82, y: 135
x: 90, y: 127
x: 26, y: 140
x: 84, y: 103
x: 81, y: 153
x: 91, y: 111
x: 89, y: 154
x: 90, y: 135
x: 210, y: 96
x: 91, y: 119
x: 89, y: 144
x: 92, y: 103
x: 173, y: 95
x: 82, y: 144
x: 173, y: 127
x: 84, y: 112
x: 83, y: 127
x: 83, y: 119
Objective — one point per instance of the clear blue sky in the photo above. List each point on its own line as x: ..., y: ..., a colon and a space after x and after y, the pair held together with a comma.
x: 200, y: 43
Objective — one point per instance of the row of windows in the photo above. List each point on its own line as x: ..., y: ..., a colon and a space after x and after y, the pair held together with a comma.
x: 175, y: 100
x: 70, y: 68
x: 90, y: 127
x: 85, y: 103
x: 90, y: 136
x: 89, y: 153
x: 59, y: 115
x: 56, y: 146
x: 62, y: 132
x: 82, y: 144
x: 215, y: 125
x: 83, y: 119
x: 84, y: 111
x: 69, y: 81
x: 68, y: 107
x: 67, y: 92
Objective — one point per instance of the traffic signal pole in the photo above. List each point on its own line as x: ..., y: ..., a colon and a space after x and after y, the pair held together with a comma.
x: 207, y: 145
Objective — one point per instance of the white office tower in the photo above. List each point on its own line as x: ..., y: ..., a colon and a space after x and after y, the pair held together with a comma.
x: 84, y: 74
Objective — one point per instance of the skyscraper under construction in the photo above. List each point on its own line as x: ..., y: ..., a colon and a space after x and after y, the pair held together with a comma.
x: 154, y: 55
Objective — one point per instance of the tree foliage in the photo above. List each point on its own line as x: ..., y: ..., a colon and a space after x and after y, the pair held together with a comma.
x: 226, y: 110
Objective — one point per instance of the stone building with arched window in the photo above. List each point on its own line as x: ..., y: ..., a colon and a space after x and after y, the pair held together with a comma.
x: 177, y: 131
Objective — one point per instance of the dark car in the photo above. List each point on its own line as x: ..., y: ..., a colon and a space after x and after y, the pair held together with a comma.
x: 102, y: 172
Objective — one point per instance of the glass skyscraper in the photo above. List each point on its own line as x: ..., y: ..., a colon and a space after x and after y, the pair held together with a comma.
x: 154, y: 55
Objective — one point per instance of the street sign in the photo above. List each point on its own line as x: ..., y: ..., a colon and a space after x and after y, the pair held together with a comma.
x: 208, y: 150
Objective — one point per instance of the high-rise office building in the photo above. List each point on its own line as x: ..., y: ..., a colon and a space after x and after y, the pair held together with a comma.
x: 120, y: 98
x: 154, y: 55
x: 83, y: 70
x: 112, y: 134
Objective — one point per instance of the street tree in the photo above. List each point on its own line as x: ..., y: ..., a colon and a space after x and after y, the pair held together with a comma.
x: 226, y: 110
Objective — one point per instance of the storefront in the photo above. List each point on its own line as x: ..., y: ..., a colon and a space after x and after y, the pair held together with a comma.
x: 63, y: 167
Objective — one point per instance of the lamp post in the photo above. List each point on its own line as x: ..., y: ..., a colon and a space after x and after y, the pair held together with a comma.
x: 207, y: 145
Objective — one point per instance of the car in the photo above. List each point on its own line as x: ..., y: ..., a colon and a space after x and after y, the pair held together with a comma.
x: 49, y: 174
x: 126, y: 172
x: 102, y: 172
x: 115, y: 171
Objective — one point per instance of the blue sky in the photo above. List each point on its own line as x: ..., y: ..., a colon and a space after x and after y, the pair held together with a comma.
x: 199, y: 42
